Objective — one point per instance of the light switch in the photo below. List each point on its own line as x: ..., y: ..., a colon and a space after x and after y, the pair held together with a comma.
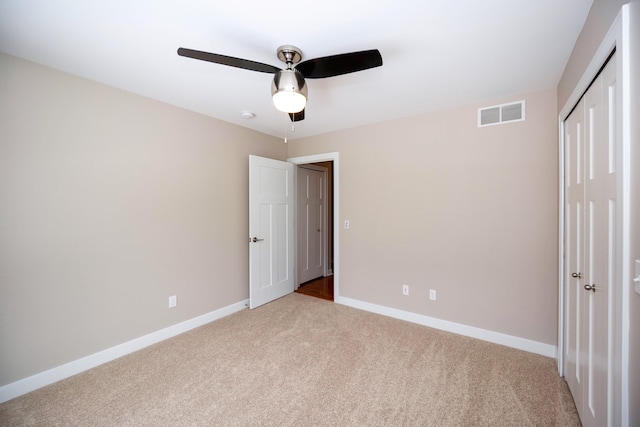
x: 636, y: 278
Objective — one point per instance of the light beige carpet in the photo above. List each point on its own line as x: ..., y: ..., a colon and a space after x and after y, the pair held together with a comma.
x: 302, y: 361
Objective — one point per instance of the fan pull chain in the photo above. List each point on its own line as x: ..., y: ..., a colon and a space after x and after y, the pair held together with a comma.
x: 285, y: 134
x: 293, y: 129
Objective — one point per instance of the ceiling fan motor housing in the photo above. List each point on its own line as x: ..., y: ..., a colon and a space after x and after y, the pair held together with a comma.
x: 290, y: 87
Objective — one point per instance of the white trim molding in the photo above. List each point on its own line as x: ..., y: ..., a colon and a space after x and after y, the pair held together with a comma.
x: 524, y: 344
x: 67, y: 370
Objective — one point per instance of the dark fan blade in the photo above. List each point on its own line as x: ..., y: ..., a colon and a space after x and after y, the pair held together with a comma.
x: 228, y: 60
x: 336, y: 65
x: 296, y: 117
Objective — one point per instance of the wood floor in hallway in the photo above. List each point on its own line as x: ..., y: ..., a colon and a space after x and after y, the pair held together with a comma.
x: 321, y: 287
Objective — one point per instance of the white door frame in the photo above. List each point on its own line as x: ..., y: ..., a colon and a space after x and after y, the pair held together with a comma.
x: 617, y: 38
x: 335, y: 158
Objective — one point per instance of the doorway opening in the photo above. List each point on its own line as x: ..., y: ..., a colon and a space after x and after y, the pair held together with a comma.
x: 326, y: 284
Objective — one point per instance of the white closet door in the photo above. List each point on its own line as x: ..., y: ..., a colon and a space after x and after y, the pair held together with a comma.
x: 590, y: 143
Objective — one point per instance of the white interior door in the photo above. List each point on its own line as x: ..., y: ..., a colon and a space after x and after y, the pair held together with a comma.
x: 590, y: 141
x: 271, y: 243
x: 312, y: 223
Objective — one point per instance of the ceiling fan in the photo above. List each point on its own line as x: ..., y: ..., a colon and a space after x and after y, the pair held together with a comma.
x: 288, y: 89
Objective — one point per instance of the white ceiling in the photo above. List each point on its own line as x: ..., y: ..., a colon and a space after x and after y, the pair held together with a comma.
x: 437, y: 53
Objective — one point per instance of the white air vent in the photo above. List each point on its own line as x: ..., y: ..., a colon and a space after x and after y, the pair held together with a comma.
x: 498, y: 114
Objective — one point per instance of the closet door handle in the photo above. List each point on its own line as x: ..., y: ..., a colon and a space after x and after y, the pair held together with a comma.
x: 576, y: 275
x: 590, y: 287
x: 255, y: 239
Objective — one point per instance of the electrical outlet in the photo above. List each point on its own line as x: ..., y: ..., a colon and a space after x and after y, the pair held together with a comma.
x: 405, y: 289
x: 346, y: 224
x: 173, y: 301
x: 432, y: 294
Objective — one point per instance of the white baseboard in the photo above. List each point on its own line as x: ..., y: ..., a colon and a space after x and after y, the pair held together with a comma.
x: 457, y: 328
x: 58, y: 373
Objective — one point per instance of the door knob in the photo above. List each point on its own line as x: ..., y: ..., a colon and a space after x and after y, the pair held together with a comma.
x: 576, y: 275
x: 255, y: 239
x: 590, y: 287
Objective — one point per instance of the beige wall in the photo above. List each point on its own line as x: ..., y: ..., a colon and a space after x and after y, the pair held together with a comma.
x: 437, y: 203
x: 109, y: 203
x: 601, y: 17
